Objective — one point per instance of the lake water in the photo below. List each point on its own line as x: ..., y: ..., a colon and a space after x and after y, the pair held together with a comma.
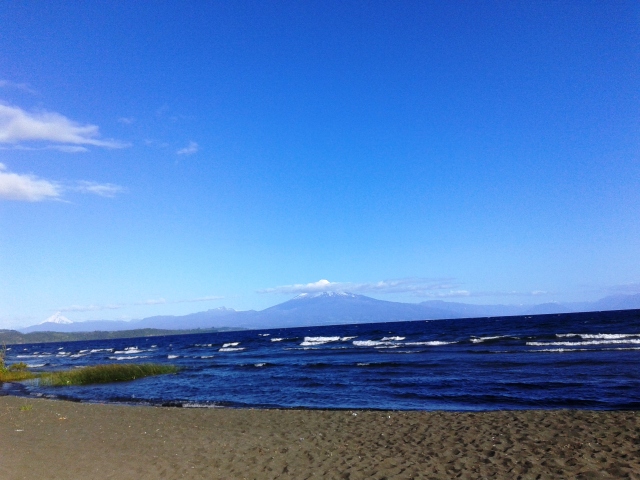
x: 585, y: 361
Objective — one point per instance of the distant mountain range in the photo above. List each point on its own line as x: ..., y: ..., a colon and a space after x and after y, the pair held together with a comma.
x: 332, y: 308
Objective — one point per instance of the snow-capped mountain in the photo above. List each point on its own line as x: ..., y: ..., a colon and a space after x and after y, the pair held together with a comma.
x: 58, y: 319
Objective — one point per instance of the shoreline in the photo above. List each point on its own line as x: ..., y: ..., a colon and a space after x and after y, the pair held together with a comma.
x: 42, y: 438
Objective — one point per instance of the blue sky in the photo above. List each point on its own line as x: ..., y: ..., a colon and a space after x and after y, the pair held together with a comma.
x: 173, y: 157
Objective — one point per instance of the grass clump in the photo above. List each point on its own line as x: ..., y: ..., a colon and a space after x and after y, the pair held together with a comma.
x: 104, y: 374
x: 15, y: 372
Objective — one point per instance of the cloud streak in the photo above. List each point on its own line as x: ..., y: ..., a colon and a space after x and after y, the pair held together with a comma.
x: 150, y: 302
x: 17, y: 86
x: 18, y: 126
x: 27, y: 188
x: 419, y: 287
x: 108, y: 190
x: 625, y: 288
x: 30, y: 188
x: 189, y: 149
x: 416, y: 286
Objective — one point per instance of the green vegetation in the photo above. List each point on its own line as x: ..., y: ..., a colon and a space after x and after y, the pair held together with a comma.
x: 122, y: 372
x: 15, y: 372
x: 104, y: 374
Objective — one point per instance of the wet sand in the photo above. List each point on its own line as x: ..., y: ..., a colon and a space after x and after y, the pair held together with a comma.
x: 47, y: 439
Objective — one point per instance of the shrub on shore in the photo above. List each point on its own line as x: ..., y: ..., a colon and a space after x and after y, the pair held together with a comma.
x: 104, y: 374
x: 82, y: 376
x: 15, y: 372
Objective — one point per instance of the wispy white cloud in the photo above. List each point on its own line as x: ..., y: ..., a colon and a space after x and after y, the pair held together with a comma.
x: 625, y: 288
x: 149, y: 302
x: 418, y: 287
x: 446, y: 294
x: 18, y: 126
x: 17, y: 86
x: 189, y: 149
x: 102, y: 189
x: 209, y: 298
x: 126, y: 120
x: 60, y: 148
x: 154, y: 301
x: 27, y: 188
x: 89, y: 308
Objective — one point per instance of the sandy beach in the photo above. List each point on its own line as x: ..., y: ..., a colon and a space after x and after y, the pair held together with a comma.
x: 47, y: 439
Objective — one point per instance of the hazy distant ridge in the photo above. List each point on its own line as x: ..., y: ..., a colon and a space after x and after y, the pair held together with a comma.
x: 336, y: 308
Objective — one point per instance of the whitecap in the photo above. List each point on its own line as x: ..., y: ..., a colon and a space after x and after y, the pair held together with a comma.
x: 599, y: 336
x: 392, y: 339
x: 172, y: 356
x: 231, y: 344
x: 128, y: 358
x: 277, y: 339
x: 230, y: 349
x: 485, y: 339
x: 588, y: 342
x: 128, y: 351
x: 314, y: 341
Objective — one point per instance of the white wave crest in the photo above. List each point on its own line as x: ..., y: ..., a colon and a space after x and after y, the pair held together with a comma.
x: 373, y: 343
x: 128, y: 351
x: 313, y: 341
x: 230, y: 349
x: 486, y: 339
x: 599, y: 336
x: 392, y: 339
x: 588, y: 342
x: 231, y: 344
x: 128, y: 358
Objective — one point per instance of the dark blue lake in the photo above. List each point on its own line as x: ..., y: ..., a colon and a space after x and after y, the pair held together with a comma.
x: 587, y: 361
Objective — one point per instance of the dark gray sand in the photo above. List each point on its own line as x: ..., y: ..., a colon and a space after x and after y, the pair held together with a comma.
x: 43, y: 439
